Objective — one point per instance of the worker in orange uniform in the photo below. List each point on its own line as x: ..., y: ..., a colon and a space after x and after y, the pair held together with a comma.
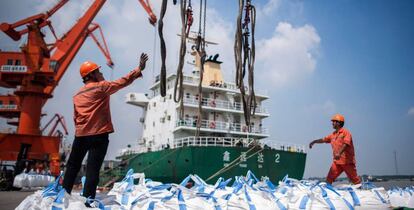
x: 92, y: 118
x: 343, y: 151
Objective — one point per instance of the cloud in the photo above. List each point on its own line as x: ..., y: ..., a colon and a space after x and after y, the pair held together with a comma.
x: 411, y: 111
x: 289, y: 55
x: 270, y: 7
x: 328, y: 107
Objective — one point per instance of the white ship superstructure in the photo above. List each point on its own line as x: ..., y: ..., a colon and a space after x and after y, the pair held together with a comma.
x: 222, y: 111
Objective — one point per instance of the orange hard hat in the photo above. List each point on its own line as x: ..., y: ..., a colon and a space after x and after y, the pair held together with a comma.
x: 88, y: 67
x: 338, y: 117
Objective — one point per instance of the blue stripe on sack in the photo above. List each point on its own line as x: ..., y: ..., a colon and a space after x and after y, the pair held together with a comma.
x: 185, y: 181
x: 251, y: 175
x: 138, y: 199
x: 128, y: 175
x: 368, y: 185
x: 285, y: 178
x: 329, y: 202
x: 53, y: 188
x: 124, y: 199
x: 160, y: 187
x: 354, y: 196
x: 100, y: 204
x: 216, y: 205
x: 227, y: 197
x: 83, y: 179
x: 219, y: 180
x: 280, y: 205
x: 277, y: 200
x: 303, y: 202
x: 249, y: 200
x: 270, y: 184
x: 208, y: 196
x: 59, y: 200
x: 151, y: 205
x: 181, y: 201
x: 223, y: 184
x: 330, y: 187
x: 348, y: 204
x: 283, y: 190
x: 325, y: 197
x: 379, y: 196
x: 202, y: 182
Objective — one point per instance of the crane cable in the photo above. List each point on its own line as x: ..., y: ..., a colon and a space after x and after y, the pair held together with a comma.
x: 200, y: 47
x: 163, y: 52
x: 242, y: 48
x: 186, y: 22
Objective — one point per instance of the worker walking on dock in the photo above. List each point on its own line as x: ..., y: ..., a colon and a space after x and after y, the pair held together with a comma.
x: 93, y: 124
x: 343, y: 151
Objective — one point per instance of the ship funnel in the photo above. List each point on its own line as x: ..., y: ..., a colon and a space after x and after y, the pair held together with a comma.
x: 212, y: 72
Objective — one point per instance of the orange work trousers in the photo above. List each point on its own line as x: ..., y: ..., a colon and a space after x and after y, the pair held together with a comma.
x: 337, y: 169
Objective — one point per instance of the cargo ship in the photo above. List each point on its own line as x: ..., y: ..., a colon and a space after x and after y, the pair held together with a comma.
x: 169, y: 149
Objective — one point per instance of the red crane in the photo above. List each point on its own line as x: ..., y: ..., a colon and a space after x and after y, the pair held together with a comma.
x: 35, y: 71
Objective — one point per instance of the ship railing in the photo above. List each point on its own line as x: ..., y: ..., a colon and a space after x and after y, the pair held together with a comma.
x: 225, y: 126
x: 284, y: 146
x: 131, y: 151
x: 212, y: 141
x: 236, y: 142
x: 218, y: 103
x: 225, y: 85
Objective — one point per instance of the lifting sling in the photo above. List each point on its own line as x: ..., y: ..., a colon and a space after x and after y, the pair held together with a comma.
x: 244, y: 54
x: 186, y: 22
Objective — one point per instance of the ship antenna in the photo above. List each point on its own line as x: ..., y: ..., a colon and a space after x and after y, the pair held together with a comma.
x: 395, y: 162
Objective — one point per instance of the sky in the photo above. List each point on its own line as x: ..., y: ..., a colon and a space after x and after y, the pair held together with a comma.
x: 313, y: 59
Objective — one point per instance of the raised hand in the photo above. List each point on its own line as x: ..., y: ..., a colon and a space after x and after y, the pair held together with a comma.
x: 143, y: 60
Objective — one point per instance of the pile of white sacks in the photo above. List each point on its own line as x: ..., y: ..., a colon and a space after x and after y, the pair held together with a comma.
x: 244, y: 193
x: 32, y: 180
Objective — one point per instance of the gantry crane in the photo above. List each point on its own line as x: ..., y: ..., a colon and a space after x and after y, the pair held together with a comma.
x: 34, y: 72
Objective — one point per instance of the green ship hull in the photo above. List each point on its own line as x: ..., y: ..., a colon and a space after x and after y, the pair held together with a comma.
x: 212, y: 162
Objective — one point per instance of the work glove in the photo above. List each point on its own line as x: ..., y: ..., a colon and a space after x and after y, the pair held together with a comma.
x: 143, y: 60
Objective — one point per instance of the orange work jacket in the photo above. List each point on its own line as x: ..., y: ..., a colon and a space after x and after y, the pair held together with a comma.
x: 337, y: 139
x: 92, y: 114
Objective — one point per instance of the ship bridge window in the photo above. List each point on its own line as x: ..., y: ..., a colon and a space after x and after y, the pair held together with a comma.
x: 153, y: 124
x: 1, y: 103
x: 10, y: 62
x: 11, y: 102
x: 168, y: 117
x: 18, y: 62
x: 187, y: 95
x: 154, y: 104
x: 162, y: 119
x: 170, y: 96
